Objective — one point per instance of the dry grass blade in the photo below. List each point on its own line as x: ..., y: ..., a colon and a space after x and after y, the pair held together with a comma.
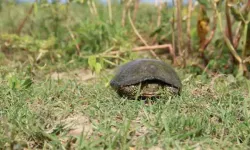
x: 74, y: 39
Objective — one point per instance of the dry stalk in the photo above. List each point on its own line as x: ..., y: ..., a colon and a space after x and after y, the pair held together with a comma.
x: 173, y: 36
x: 159, y: 13
x: 20, y: 27
x: 139, y: 36
x: 229, y: 44
x: 190, y: 5
x: 124, y: 12
x: 90, y: 7
x: 110, y: 11
x: 246, y: 60
x: 143, y: 48
x: 242, y: 66
x: 237, y: 35
x: 74, y: 39
x: 229, y: 28
x: 205, y: 44
x: 179, y: 25
x: 244, y: 52
x: 94, y: 8
x: 229, y: 23
x: 136, y: 7
x: 182, y: 52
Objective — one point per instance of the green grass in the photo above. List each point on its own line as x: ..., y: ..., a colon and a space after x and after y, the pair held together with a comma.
x: 210, y: 113
x: 38, y: 112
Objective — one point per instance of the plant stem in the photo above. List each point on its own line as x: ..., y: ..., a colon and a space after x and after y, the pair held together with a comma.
x: 136, y: 7
x: 173, y: 34
x: 229, y: 23
x: 190, y: 5
x: 179, y: 25
x: 140, y: 37
x: 230, y: 46
x: 159, y: 13
x: 245, y: 39
x: 110, y: 11
x: 20, y: 27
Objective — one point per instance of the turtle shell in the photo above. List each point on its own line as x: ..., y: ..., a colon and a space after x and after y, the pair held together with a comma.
x: 141, y: 70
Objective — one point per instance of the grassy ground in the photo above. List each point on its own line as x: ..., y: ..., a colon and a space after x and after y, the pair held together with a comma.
x: 72, y: 114
x: 47, y: 103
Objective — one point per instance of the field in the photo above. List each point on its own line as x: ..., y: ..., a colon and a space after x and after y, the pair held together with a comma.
x: 56, y: 61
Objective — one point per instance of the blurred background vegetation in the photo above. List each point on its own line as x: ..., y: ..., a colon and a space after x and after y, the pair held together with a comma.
x: 203, y: 36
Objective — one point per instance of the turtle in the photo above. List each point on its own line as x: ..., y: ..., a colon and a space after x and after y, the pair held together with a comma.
x: 146, y: 78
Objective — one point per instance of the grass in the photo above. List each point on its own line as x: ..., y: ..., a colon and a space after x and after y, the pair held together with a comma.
x: 37, y: 111
x: 67, y: 114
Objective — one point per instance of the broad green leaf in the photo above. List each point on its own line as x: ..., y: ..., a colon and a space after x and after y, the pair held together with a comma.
x: 13, y: 81
x: 92, y: 62
x: 204, y: 2
x: 35, y: 8
x: 26, y: 83
x: 98, y: 68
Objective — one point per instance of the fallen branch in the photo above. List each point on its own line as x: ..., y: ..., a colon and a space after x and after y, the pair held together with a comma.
x: 146, y: 48
x: 143, y: 48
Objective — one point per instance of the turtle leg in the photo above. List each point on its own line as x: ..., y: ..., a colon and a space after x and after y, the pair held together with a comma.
x: 138, y: 92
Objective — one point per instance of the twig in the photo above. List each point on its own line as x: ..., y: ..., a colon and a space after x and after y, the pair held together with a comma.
x: 74, y: 39
x: 154, y: 47
x: 138, y: 34
x: 20, y: 27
